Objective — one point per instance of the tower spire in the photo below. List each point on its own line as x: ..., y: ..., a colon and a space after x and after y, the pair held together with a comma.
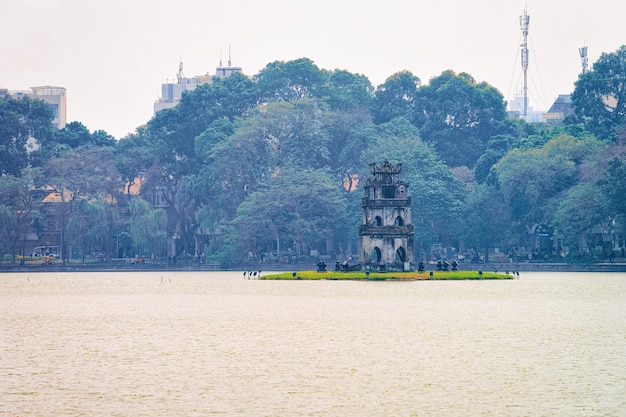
x: 524, y: 21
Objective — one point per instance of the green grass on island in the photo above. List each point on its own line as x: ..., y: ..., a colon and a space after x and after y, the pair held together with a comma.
x: 387, y: 276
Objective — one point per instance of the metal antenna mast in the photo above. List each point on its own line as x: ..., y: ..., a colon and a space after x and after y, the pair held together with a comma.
x: 524, y: 22
x: 583, y: 58
x: 180, y: 74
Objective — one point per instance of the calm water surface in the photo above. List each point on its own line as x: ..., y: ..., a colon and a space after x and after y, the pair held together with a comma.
x: 197, y: 344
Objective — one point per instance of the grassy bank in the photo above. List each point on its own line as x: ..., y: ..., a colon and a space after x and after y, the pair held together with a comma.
x: 386, y: 276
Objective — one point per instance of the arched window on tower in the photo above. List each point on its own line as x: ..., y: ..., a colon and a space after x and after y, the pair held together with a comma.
x: 401, y: 255
x: 399, y: 221
x: 378, y: 221
x: 376, y: 255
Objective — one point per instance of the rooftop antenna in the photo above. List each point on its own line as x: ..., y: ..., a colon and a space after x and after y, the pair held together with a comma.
x: 180, y: 74
x: 220, y: 59
x: 583, y: 58
x: 524, y: 22
x: 229, y: 56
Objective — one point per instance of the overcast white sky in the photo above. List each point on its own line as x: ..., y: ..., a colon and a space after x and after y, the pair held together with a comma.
x: 113, y: 55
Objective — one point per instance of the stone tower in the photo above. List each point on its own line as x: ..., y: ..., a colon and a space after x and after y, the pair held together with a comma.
x: 386, y: 230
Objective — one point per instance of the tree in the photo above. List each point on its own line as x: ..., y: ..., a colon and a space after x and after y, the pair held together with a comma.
x: 304, y: 206
x: 88, y: 226
x: 600, y: 95
x: 291, y: 81
x: 532, y: 181
x: 580, y: 209
x: 497, y: 147
x: 147, y: 227
x: 83, y: 173
x: 173, y: 135
x: 20, y: 120
x: 75, y: 134
x: 345, y: 90
x: 484, y: 220
x: 134, y: 155
x: 18, y: 207
x: 459, y: 116
x: 396, y: 97
x: 435, y: 192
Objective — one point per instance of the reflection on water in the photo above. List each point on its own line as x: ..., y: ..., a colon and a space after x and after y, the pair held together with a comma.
x: 174, y: 344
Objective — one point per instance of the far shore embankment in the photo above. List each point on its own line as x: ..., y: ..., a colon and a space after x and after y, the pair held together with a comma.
x: 154, y: 266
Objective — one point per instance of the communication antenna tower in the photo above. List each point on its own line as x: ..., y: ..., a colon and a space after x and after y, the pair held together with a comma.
x: 229, y: 65
x: 180, y: 74
x: 583, y: 58
x: 524, y: 21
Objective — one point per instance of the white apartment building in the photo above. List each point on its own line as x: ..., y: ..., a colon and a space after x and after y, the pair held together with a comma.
x: 54, y: 96
x: 171, y: 93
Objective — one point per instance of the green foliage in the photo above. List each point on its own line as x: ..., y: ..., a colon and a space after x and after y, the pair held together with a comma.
x: 459, y: 116
x: 302, y: 205
x: 75, y: 134
x: 87, y: 225
x: 396, y: 97
x: 147, y: 227
x: 532, y: 180
x: 600, y: 95
x: 613, y: 184
x: 435, y: 192
x: 21, y: 119
x: 484, y: 219
x: 291, y: 81
x: 346, y: 91
x: 274, y: 161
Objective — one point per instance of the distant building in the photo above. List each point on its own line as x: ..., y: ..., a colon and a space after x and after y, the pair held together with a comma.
x: 171, y: 93
x: 54, y: 96
x: 560, y: 109
x: 516, y: 110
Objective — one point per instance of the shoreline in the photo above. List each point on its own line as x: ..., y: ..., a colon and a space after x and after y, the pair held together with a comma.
x: 489, y: 267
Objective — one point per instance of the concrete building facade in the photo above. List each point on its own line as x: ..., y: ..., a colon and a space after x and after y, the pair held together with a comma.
x: 55, y: 97
x: 171, y: 93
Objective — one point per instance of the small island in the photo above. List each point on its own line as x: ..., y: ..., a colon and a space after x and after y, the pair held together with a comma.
x: 387, y: 238
x: 389, y: 276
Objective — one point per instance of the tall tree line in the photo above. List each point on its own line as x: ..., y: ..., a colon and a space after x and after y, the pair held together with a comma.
x: 269, y: 166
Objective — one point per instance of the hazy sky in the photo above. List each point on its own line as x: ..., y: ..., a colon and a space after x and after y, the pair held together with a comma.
x: 113, y: 55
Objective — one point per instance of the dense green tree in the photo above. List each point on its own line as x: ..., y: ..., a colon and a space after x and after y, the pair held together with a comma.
x: 216, y: 133
x: 396, y: 97
x: 578, y: 211
x: 459, y: 116
x: 532, y: 181
x: 20, y: 120
x: 291, y: 81
x: 87, y: 227
x: 435, y: 192
x: 75, y: 134
x: 173, y: 135
x: 350, y: 132
x: 147, y: 228
x: 345, y: 90
x: 8, y: 231
x: 18, y: 207
x: 298, y: 207
x: 83, y: 173
x: 134, y: 155
x: 484, y: 220
x: 497, y: 147
x: 600, y: 95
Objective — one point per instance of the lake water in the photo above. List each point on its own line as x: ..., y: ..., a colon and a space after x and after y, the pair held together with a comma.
x: 212, y: 343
